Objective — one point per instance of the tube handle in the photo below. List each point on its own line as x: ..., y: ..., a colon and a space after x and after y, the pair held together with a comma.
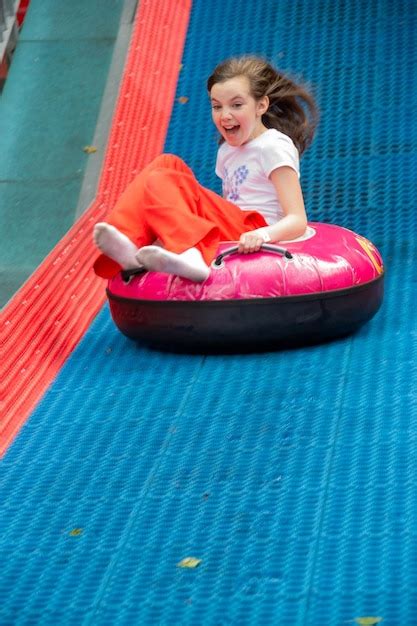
x: 277, y: 249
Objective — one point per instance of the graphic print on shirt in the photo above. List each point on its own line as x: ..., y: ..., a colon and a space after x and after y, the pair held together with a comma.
x: 231, y: 183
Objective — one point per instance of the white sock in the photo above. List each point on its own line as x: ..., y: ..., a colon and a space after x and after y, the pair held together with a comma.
x: 189, y: 264
x: 116, y: 245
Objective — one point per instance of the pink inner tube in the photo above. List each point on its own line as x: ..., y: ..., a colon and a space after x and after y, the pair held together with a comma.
x: 322, y: 286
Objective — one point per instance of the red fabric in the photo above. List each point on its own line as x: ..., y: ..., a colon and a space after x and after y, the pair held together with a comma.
x: 165, y: 202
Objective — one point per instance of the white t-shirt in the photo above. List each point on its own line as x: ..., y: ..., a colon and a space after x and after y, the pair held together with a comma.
x: 245, y: 171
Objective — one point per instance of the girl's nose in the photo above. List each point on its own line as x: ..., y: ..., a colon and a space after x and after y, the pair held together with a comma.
x: 226, y: 114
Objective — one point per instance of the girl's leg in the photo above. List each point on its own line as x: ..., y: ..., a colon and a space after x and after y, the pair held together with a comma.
x: 167, y: 203
x: 114, y: 244
x: 189, y: 264
x: 125, y: 229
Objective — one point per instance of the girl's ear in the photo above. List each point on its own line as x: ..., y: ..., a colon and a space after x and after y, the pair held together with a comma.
x: 263, y: 105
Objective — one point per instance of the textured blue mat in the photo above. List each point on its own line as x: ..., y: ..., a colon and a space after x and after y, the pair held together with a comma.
x: 291, y: 475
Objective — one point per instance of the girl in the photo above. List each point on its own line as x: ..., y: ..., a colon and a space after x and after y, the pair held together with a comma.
x: 265, y: 121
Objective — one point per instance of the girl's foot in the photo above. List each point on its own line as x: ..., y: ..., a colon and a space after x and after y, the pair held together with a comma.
x: 189, y: 264
x: 116, y: 245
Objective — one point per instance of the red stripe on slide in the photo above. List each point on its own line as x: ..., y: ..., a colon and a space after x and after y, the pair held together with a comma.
x: 47, y: 317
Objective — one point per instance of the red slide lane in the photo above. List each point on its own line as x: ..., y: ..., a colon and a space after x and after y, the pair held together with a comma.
x: 48, y: 316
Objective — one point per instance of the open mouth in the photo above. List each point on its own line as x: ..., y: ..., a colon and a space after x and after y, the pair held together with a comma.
x: 231, y: 130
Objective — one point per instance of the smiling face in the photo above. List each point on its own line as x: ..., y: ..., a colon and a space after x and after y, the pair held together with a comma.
x: 236, y: 113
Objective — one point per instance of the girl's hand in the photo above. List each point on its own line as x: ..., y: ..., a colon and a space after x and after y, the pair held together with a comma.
x: 253, y: 240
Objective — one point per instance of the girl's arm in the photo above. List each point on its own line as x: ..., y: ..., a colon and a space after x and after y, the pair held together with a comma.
x: 294, y: 222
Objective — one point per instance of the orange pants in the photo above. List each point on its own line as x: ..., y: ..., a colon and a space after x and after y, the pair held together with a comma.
x: 165, y: 202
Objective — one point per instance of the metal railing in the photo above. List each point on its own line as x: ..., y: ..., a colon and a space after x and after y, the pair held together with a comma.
x: 8, y: 35
x: 8, y: 28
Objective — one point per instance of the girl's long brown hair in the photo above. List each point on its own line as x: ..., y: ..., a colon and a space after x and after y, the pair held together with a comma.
x: 292, y: 109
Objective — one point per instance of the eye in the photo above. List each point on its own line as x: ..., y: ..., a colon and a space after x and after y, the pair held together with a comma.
x: 216, y: 107
x: 237, y: 105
